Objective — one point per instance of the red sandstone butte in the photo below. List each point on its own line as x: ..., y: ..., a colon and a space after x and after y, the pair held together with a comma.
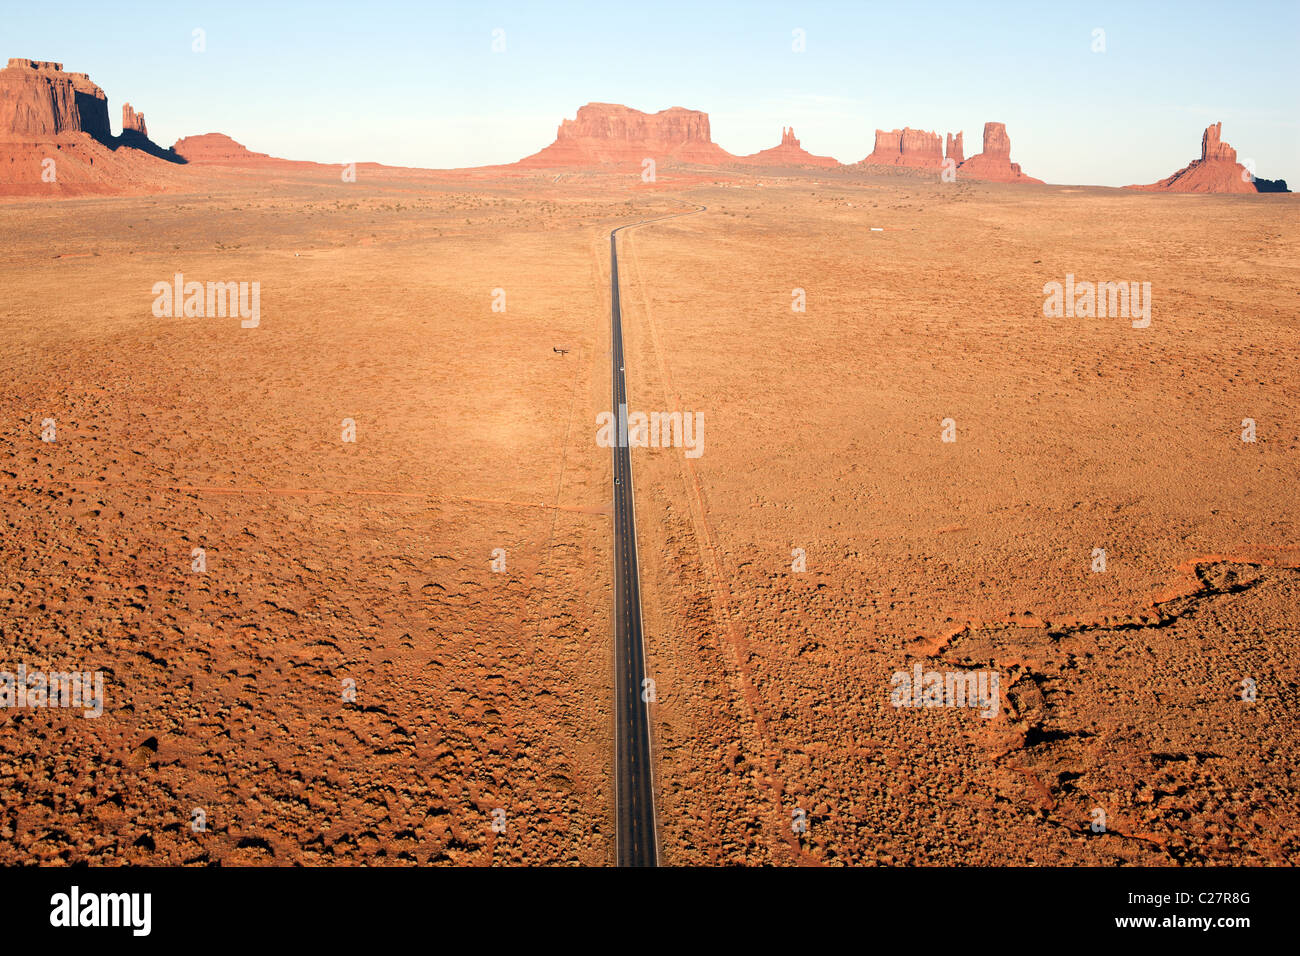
x: 218, y: 149
x: 906, y: 147
x: 606, y: 133
x: 1217, y: 171
x: 133, y: 121
x: 789, y: 153
x: 994, y: 164
x: 953, y: 149
x: 55, y: 137
x: 37, y: 99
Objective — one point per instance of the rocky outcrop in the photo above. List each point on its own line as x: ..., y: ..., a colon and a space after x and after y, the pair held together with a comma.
x: 55, y: 137
x: 132, y: 121
x: 1213, y: 148
x: 1217, y: 171
x: 218, y: 149
x: 788, y: 153
x: 604, y: 134
x: 609, y: 134
x: 996, y: 141
x: 906, y: 147
x: 953, y: 149
x: 994, y: 163
x: 92, y: 107
x: 37, y: 99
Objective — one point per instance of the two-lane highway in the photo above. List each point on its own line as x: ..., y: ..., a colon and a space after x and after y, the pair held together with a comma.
x: 637, y: 840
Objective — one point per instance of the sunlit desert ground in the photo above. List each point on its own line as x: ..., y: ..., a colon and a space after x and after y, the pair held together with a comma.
x: 1121, y: 690
x: 351, y: 681
x: 326, y: 561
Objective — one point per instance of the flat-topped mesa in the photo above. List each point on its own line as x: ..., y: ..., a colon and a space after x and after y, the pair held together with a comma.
x: 22, y: 63
x: 994, y: 164
x: 1217, y: 171
x: 37, y: 99
x: 132, y: 121
x: 218, y: 149
x: 906, y: 147
x: 610, y: 121
x: 788, y: 153
x: 953, y: 149
x: 49, y: 114
x: 610, y: 133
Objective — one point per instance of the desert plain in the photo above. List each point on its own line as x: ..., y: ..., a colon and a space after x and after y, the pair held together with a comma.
x: 396, y: 647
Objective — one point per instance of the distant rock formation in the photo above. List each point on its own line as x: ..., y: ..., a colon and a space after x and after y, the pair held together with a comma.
x: 606, y: 133
x: 788, y: 153
x: 953, y: 149
x: 1217, y: 171
x: 218, y: 149
x: 994, y: 164
x: 55, y: 136
x: 132, y: 121
x: 1213, y: 147
x: 906, y: 147
x: 996, y: 140
x: 39, y: 100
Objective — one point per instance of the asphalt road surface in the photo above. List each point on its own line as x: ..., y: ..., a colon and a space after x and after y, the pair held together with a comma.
x: 637, y: 840
x: 637, y: 836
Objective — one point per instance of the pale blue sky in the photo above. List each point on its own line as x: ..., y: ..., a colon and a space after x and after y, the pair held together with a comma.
x: 418, y: 83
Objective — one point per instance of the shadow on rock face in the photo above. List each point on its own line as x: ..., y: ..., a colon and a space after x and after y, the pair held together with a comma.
x: 134, y: 140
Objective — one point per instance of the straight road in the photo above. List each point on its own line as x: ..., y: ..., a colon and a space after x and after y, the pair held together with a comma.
x: 637, y: 840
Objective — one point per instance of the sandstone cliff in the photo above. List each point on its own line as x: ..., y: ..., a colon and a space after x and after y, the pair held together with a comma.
x: 994, y: 163
x: 37, y: 99
x: 609, y: 134
x: 55, y: 137
x: 1217, y: 171
x: 906, y: 147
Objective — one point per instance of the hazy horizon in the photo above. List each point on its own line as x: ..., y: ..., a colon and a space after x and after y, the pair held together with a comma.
x: 406, y: 85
